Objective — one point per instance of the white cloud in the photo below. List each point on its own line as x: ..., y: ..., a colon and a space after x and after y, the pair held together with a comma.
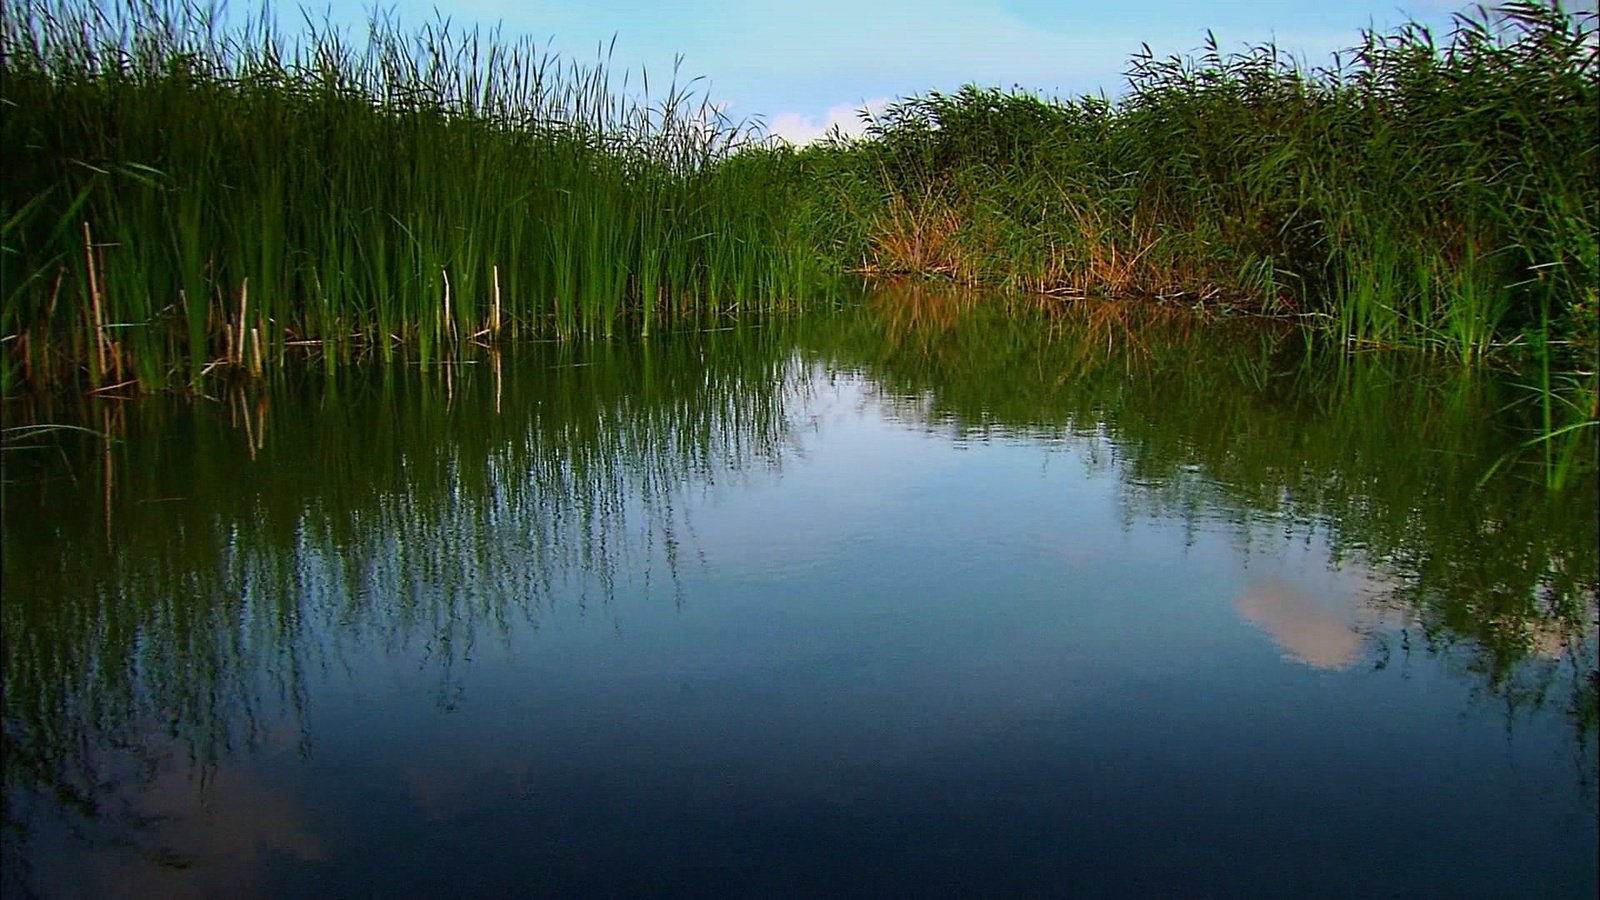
x: 798, y: 128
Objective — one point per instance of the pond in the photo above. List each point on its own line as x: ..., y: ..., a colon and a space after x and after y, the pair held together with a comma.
x: 938, y: 595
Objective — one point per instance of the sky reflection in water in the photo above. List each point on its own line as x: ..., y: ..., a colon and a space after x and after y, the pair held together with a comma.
x: 915, y: 599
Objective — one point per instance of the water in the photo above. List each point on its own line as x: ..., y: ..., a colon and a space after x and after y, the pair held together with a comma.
x: 934, y: 597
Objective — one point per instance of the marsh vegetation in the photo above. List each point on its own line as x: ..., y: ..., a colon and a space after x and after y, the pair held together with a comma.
x: 182, y: 195
x: 179, y: 197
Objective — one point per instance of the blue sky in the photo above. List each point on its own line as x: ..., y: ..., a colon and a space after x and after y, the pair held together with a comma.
x: 803, y: 66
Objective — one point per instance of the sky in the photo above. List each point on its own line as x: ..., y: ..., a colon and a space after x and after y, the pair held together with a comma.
x: 802, y: 67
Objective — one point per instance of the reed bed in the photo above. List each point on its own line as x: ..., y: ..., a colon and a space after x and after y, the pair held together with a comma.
x: 181, y: 195
x: 1413, y: 191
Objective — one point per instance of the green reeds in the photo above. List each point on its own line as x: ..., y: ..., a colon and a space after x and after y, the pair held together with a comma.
x: 1414, y: 192
x: 180, y: 196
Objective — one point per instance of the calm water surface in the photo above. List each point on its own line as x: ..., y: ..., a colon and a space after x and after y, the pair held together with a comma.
x: 932, y: 597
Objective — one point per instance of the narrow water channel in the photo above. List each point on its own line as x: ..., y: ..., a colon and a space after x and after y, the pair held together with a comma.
x: 936, y: 596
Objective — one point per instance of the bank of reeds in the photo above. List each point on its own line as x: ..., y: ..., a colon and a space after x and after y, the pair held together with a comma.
x: 179, y: 195
x: 1443, y: 192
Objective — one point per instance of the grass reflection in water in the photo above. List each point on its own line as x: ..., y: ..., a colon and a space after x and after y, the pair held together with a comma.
x: 175, y: 590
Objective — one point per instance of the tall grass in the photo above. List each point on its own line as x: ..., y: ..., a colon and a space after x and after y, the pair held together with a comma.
x: 180, y: 194
x: 1445, y: 193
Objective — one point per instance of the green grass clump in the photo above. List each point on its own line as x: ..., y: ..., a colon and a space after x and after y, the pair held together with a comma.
x: 179, y: 194
x: 1447, y: 194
